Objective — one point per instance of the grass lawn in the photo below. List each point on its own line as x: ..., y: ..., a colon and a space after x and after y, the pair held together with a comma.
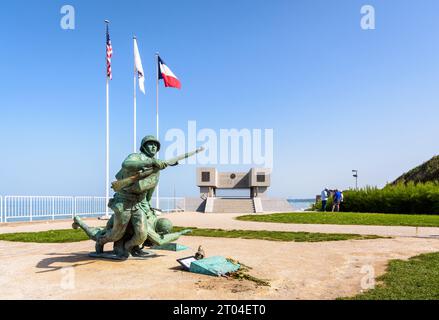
x: 51, y: 236
x: 70, y: 235
x: 347, y: 218
x: 415, y: 279
x: 277, y: 235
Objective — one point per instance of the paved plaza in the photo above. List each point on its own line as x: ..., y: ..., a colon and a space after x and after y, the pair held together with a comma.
x: 323, y: 270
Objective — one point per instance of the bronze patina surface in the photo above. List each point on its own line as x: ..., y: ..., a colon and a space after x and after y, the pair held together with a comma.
x: 134, y: 223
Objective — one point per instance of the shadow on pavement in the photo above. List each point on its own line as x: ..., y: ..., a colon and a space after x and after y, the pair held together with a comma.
x: 70, y: 260
x: 74, y: 260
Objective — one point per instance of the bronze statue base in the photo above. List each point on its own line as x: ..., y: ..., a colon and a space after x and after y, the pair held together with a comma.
x: 110, y: 255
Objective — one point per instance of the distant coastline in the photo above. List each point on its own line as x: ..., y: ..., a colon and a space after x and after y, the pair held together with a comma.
x: 301, y: 204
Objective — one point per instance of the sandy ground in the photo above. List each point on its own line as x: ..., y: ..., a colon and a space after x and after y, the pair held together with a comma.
x: 324, y: 270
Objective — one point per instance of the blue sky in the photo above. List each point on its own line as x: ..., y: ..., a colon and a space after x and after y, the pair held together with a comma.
x: 337, y: 97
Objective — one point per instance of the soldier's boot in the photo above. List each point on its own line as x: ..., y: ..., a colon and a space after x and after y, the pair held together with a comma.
x: 138, y: 252
x: 133, y: 244
x: 140, y: 229
x: 100, y: 242
x: 112, y: 235
x: 99, y: 247
x: 91, y: 232
x: 139, y: 237
x: 119, y: 249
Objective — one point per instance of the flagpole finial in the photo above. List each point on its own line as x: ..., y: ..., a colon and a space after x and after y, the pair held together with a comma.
x: 134, y: 37
x: 107, y: 21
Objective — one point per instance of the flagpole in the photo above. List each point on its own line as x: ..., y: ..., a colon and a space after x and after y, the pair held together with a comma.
x: 107, y: 166
x: 135, y: 99
x: 157, y: 125
x: 107, y: 175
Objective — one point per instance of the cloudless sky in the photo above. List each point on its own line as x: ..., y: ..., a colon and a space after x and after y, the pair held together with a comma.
x: 337, y: 97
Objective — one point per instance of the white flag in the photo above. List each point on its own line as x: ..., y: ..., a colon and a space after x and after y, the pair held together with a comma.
x: 138, y: 67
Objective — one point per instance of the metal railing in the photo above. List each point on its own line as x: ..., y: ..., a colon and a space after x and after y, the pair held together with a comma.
x: 21, y: 208
x: 170, y: 204
x: 38, y: 208
x: 90, y: 206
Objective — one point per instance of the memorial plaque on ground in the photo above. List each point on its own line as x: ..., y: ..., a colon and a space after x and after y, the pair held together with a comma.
x: 186, y: 262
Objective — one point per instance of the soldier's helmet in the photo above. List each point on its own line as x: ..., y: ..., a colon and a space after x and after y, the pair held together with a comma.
x: 147, y: 139
x: 163, y: 226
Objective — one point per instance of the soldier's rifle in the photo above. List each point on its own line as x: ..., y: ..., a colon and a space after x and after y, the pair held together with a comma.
x: 121, y: 184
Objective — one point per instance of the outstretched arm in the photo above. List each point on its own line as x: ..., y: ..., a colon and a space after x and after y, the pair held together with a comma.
x: 134, y: 162
x: 167, y: 238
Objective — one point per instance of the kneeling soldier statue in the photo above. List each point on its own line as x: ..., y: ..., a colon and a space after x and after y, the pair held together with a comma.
x: 134, y: 222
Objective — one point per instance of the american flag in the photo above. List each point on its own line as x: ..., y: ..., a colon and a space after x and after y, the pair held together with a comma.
x: 109, y: 56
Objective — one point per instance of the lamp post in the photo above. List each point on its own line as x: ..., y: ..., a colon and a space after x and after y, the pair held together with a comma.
x: 355, y: 175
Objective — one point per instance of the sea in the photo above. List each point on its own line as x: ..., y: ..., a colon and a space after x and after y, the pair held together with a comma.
x: 301, y: 204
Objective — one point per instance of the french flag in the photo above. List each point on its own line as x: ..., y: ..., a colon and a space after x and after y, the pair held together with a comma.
x: 167, y: 75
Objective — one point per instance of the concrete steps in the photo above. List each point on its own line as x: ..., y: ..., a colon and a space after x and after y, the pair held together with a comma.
x: 224, y: 205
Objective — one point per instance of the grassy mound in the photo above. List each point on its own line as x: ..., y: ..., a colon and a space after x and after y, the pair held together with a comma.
x: 426, y: 172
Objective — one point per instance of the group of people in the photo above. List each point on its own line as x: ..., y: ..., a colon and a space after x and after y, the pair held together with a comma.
x: 337, y: 199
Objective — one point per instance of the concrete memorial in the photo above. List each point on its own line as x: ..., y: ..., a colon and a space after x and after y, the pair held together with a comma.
x: 254, y: 184
x: 134, y: 223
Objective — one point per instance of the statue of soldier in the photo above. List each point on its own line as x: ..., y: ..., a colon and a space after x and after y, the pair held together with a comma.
x: 134, y: 221
x: 158, y: 233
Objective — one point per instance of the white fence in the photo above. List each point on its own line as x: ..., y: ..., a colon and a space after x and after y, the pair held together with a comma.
x: 90, y: 206
x: 37, y: 208
x: 170, y: 204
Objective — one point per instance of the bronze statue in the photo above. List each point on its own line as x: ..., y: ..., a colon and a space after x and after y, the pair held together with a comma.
x: 134, y: 222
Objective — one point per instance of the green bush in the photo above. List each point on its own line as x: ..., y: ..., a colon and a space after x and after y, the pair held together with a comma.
x: 421, y: 198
